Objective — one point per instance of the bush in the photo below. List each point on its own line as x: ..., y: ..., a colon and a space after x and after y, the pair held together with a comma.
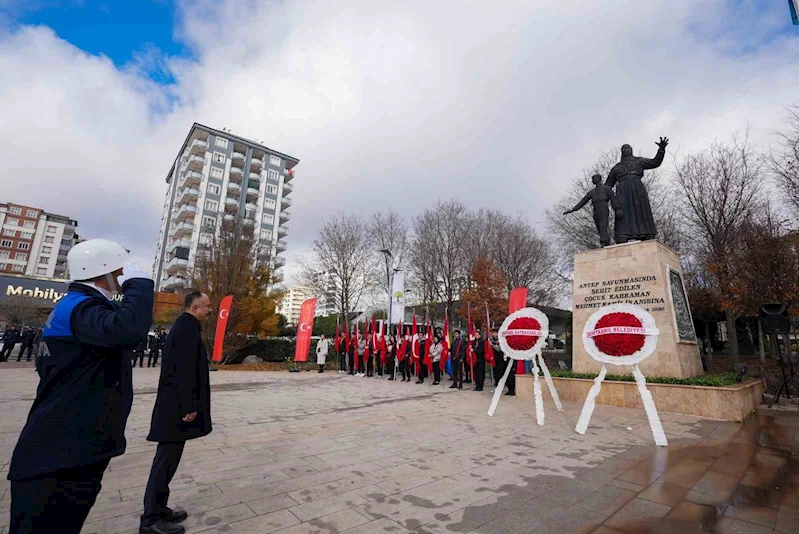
x: 271, y: 349
x: 714, y: 380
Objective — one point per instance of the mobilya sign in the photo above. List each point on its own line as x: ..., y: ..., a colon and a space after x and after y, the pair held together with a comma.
x: 44, y: 292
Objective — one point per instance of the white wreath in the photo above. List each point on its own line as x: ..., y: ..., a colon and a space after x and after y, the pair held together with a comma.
x: 528, y: 354
x: 647, y: 322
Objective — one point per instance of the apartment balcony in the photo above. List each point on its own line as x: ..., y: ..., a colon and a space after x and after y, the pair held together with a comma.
x: 174, y: 282
x: 277, y: 277
x: 231, y: 204
x: 285, y: 202
x: 60, y: 267
x: 194, y: 163
x: 288, y: 175
x: 237, y: 160
x: 248, y: 221
x: 190, y: 178
x: 281, y: 245
x: 188, y: 195
x: 182, y: 243
x: 252, y: 193
x: 256, y: 163
x: 184, y: 229
x: 233, y: 188
x: 176, y: 265
x: 236, y: 174
x: 279, y: 262
x: 287, y: 188
x: 198, y: 147
x: 282, y: 231
x: 185, y: 213
x: 284, y: 215
x: 229, y: 218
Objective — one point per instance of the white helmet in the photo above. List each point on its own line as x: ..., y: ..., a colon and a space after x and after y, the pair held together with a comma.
x: 94, y: 258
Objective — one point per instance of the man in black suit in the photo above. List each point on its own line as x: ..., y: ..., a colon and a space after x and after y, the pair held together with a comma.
x: 458, y: 358
x: 182, y: 412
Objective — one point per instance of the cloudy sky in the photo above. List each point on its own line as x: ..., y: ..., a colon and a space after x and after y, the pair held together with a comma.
x: 385, y: 103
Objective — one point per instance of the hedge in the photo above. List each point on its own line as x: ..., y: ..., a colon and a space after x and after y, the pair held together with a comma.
x: 715, y: 380
x: 272, y: 349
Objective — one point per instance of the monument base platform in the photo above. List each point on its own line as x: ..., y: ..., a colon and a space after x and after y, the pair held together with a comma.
x: 646, y: 274
x: 729, y: 403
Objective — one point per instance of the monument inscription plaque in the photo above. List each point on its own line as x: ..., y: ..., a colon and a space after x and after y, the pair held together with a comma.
x: 682, y: 312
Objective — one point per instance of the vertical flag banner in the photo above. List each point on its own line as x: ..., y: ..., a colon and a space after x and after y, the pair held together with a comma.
x: 221, y: 326
x: 518, y: 300
x: 489, y: 351
x: 304, y: 330
x: 445, y: 352
x: 355, y: 349
x: 415, y: 345
x: 428, y: 345
x: 469, y: 348
x: 347, y: 336
x: 398, y: 297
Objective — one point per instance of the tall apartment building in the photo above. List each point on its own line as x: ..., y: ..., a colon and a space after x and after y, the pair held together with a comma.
x: 325, y: 285
x: 292, y: 302
x: 218, y: 176
x: 34, y: 242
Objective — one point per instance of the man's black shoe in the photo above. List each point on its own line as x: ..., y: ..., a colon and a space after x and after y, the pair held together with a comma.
x: 453, y: 386
x: 436, y: 383
x: 467, y: 381
x: 510, y: 394
x: 175, y: 516
x: 478, y: 389
x: 460, y: 386
x: 162, y: 527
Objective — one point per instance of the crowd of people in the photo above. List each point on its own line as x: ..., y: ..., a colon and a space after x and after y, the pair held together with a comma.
x: 28, y: 338
x: 402, y: 358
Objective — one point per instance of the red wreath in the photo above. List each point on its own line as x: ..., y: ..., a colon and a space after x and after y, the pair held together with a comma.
x: 619, y: 344
x: 523, y: 342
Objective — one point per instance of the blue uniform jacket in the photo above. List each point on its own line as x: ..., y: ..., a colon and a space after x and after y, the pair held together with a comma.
x: 85, y: 390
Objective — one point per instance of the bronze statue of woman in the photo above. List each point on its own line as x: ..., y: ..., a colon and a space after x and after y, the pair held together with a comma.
x: 638, y: 222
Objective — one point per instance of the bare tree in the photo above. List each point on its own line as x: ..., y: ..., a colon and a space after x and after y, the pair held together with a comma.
x: 527, y: 260
x: 784, y: 161
x: 345, y: 250
x: 483, y: 226
x: 21, y: 311
x: 438, y: 258
x: 719, y: 190
x: 389, y: 231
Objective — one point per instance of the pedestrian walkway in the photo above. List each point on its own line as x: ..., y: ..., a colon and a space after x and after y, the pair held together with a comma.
x: 308, y: 453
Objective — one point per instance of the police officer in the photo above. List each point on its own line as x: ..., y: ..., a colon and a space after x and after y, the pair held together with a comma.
x: 27, y: 343
x: 77, y: 421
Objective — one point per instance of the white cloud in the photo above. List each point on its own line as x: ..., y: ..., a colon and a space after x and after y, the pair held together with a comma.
x: 499, y: 104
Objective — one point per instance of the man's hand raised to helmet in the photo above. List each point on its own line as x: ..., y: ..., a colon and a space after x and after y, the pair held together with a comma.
x: 130, y: 271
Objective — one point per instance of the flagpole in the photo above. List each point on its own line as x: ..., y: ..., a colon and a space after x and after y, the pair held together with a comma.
x: 486, y: 334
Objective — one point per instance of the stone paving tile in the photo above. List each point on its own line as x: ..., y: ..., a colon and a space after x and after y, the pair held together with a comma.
x: 336, y: 454
x: 727, y: 525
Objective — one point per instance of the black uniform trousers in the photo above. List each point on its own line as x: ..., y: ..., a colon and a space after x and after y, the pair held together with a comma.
x: 152, y: 359
x: 5, y: 354
x: 457, y: 371
x: 479, y: 374
x: 55, y: 502
x: 404, y: 369
x: 370, y: 366
x: 437, y: 371
x: 156, y: 496
x: 352, y: 363
x: 22, y: 351
x: 342, y: 361
x: 511, y: 382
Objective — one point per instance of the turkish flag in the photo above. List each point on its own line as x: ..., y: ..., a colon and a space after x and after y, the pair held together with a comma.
x: 221, y: 326
x: 304, y: 330
x: 347, y: 337
x: 428, y: 345
x: 518, y: 300
x: 403, y: 349
x: 489, y: 351
x: 442, y: 363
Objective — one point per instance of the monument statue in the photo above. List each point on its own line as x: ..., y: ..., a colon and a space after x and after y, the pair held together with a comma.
x: 599, y: 197
x: 626, y: 175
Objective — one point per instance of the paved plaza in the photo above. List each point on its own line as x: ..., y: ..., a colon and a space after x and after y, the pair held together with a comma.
x: 309, y: 453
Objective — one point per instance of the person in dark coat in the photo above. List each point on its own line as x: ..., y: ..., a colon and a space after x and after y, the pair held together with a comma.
x: 341, y: 350
x: 479, y: 362
x: 27, y: 343
x: 182, y: 412
x: 458, y: 359
x: 138, y: 352
x: 156, y: 345
x: 77, y: 421
x: 10, y: 338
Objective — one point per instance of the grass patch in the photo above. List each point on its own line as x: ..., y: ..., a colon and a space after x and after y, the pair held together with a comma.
x: 714, y: 380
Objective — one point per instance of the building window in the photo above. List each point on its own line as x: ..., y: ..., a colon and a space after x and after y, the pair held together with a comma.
x: 25, y: 235
x: 6, y: 243
x: 49, y: 239
x: 269, y: 204
x: 31, y: 214
x: 47, y: 250
x: 41, y: 270
x: 266, y: 235
x: 13, y: 222
x: 268, y: 218
x: 44, y: 260
x: 273, y: 175
x: 209, y: 222
x: 205, y: 239
x: 221, y: 142
x: 217, y: 173
x: 274, y: 160
x: 15, y: 211
x: 5, y: 255
x: 3, y: 266
x: 271, y: 189
x: 51, y: 229
x: 9, y: 232
x: 66, y: 242
x: 18, y: 268
x: 211, y: 205
x: 23, y: 246
x: 219, y: 158
x: 29, y: 224
x: 213, y: 189
x: 20, y: 256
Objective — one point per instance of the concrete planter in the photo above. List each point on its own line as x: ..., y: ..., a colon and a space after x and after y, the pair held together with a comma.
x: 729, y: 403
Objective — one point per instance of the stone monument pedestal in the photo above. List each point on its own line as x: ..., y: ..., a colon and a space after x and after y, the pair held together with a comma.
x: 646, y: 274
